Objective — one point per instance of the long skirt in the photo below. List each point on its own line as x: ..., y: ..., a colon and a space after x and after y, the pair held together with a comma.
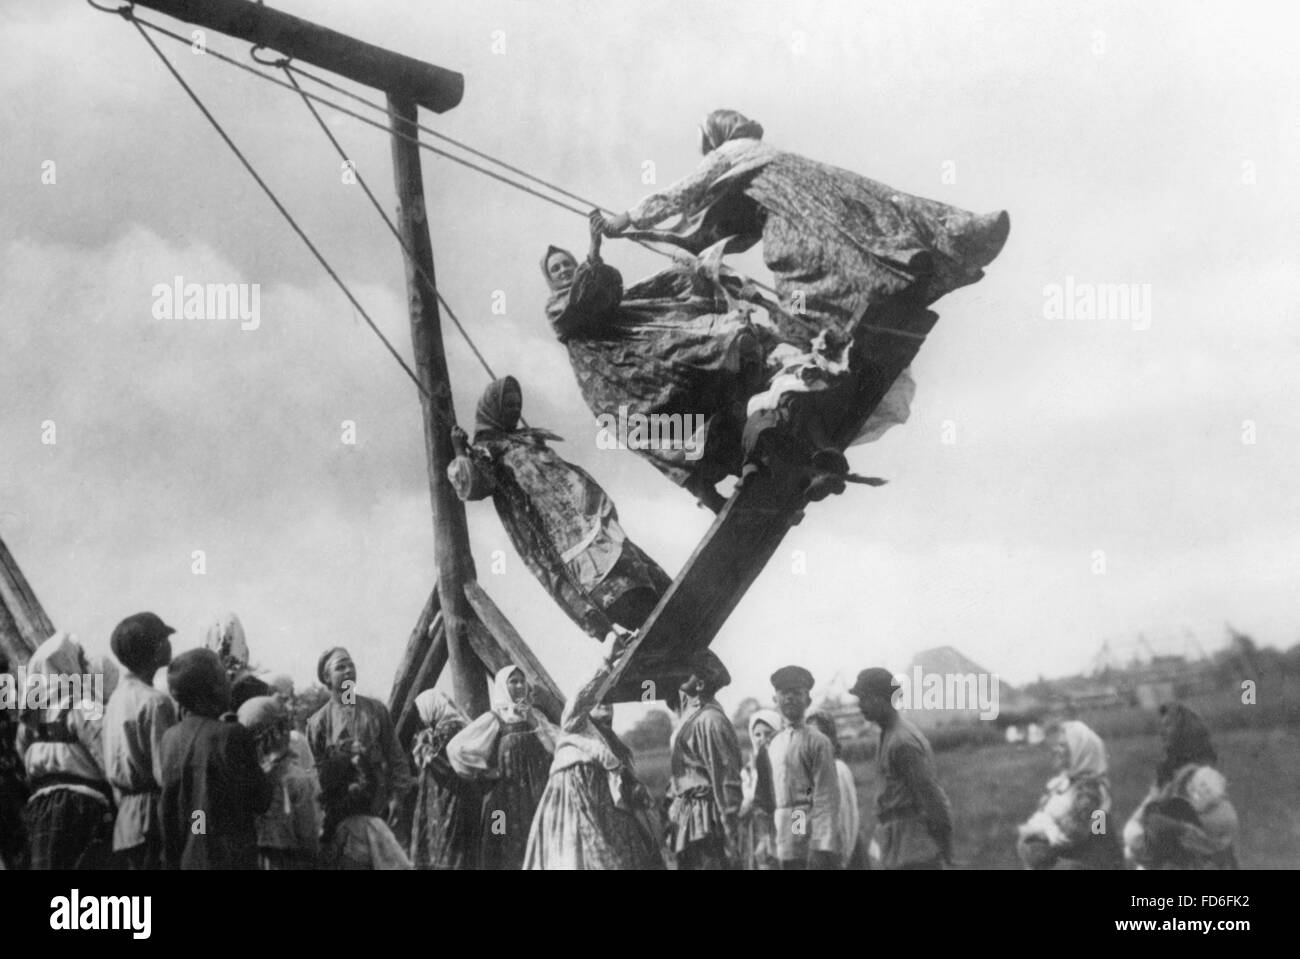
x: 523, y: 765
x: 578, y: 826
x: 444, y: 831
x: 67, y: 830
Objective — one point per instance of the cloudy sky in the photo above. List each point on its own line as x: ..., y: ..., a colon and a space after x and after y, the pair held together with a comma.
x: 1063, y: 481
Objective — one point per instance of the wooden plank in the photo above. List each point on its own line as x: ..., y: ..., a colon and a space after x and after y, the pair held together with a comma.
x: 750, y: 528
x: 405, y: 719
x: 508, y: 637
x: 432, y: 87
x: 417, y: 649
x: 23, y: 622
x: 450, y: 528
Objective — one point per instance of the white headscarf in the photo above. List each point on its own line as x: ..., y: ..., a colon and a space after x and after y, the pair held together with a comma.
x: 503, y: 703
x: 433, y: 706
x: 768, y: 717
x: 1087, y: 751
x: 60, y: 655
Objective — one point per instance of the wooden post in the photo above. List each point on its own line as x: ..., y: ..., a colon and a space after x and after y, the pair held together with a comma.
x: 450, y: 529
x: 405, y: 720
x: 23, y: 623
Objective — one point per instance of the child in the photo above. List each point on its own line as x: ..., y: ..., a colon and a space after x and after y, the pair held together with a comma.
x: 353, y: 838
x: 213, y: 787
x: 288, y: 832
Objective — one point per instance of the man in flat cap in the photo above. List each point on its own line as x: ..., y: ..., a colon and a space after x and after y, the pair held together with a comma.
x: 914, y: 820
x: 704, y: 785
x: 135, y: 719
x: 805, y: 787
x: 350, y: 721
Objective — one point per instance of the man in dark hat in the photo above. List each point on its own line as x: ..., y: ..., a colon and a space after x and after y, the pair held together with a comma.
x: 805, y: 787
x: 704, y: 786
x: 135, y: 720
x: 213, y: 787
x: 354, y: 722
x: 913, y: 817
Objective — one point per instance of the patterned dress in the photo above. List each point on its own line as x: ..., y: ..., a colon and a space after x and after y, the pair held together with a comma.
x: 594, y: 813
x: 835, y: 241
x: 444, y: 833
x: 523, y: 763
x: 564, y: 527
x: 668, y: 345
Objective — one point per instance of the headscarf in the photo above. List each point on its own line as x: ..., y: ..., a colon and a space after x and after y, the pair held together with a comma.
x: 1087, y: 751
x: 324, y: 661
x: 490, y: 415
x: 502, y: 704
x: 824, y: 724
x: 198, y: 683
x: 1187, y: 742
x: 433, y: 706
x: 723, y: 125
x: 60, y: 655
x: 225, y: 637
x: 262, y: 713
x: 768, y: 717
x: 546, y: 260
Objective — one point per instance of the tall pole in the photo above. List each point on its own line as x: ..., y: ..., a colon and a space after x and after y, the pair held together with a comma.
x: 450, y: 529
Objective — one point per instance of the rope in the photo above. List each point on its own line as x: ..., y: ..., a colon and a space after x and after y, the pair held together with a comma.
x: 127, y: 14
x: 158, y: 28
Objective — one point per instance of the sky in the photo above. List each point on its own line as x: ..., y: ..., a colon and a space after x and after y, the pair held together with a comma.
x: 1062, y: 481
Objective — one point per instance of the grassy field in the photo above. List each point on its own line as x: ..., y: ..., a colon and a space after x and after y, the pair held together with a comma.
x: 994, y: 788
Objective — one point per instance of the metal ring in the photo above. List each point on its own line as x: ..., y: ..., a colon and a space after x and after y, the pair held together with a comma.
x: 279, y: 62
x: 125, y: 10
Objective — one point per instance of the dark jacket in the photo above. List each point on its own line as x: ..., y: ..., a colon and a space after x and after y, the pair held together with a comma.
x: 211, y: 767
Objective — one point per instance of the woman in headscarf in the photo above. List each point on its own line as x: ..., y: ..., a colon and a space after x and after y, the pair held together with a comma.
x: 594, y: 813
x: 1071, y: 828
x: 508, y: 749
x: 852, y: 853
x: 834, y: 240
x: 444, y: 832
x: 563, y: 525
x: 679, y: 343
x: 69, y: 816
x: 1186, y: 821
x: 757, y: 839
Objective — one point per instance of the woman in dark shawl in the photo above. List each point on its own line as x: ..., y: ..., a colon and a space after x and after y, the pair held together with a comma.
x: 563, y: 524
x: 1186, y: 821
x: 444, y: 833
x: 680, y: 343
x: 834, y: 240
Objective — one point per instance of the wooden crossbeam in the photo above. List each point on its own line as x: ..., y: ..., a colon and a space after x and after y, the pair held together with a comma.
x: 432, y: 87
x: 546, y: 691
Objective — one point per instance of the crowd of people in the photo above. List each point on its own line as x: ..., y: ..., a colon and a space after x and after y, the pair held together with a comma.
x: 212, y: 774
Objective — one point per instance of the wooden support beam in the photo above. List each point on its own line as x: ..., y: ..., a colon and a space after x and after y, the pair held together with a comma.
x: 450, y: 528
x: 431, y: 87
x: 23, y: 623
x: 417, y: 649
x: 405, y: 718
x: 546, y: 692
